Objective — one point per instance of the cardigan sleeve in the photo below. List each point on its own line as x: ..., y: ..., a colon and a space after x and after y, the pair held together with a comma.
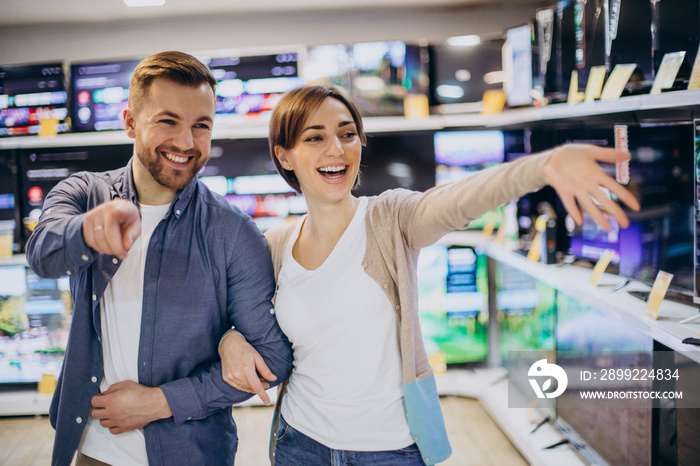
x: 425, y: 217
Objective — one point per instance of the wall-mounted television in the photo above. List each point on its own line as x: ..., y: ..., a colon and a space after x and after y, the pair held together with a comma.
x: 460, y: 154
x: 453, y: 303
x: 397, y: 160
x: 40, y: 169
x: 242, y: 171
x: 100, y: 93
x: 249, y: 86
x: 35, y: 318
x: 33, y: 99
x: 9, y: 207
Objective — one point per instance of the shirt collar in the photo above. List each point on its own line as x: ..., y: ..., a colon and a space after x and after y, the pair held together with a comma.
x: 125, y: 188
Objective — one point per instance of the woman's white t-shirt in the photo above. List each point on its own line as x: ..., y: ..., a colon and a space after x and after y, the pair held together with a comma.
x: 120, y: 315
x: 346, y: 387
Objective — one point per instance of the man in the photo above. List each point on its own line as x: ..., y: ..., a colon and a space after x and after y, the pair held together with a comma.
x: 160, y: 268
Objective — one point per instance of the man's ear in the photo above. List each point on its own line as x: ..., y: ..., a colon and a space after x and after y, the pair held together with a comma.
x: 129, y: 123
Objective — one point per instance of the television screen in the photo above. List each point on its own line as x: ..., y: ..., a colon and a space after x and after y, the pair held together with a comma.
x: 328, y: 64
x: 33, y: 99
x: 249, y: 87
x: 677, y: 26
x: 35, y: 318
x: 517, y: 65
x: 242, y: 171
x: 379, y: 77
x: 460, y: 154
x: 40, y: 169
x: 696, y: 242
x: 397, y: 160
x: 588, y: 339
x: 629, y: 39
x: 453, y: 303
x: 9, y: 210
x: 460, y: 74
x: 526, y: 313
x: 547, y: 78
x: 100, y: 93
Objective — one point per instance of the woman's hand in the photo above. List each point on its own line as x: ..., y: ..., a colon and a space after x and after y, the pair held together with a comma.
x: 574, y: 173
x: 241, y: 364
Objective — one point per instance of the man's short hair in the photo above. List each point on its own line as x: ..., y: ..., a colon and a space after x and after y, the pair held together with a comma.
x: 178, y: 67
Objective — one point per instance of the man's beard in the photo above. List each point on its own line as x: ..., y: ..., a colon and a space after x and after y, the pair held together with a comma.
x: 161, y: 173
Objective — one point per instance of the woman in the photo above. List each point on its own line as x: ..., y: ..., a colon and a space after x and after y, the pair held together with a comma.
x: 362, y: 390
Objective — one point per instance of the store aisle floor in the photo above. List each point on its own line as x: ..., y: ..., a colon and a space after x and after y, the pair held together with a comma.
x: 476, y: 439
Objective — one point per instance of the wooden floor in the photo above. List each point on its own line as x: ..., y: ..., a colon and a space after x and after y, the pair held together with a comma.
x: 475, y: 438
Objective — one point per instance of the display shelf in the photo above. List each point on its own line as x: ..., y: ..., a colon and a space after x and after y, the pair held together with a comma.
x: 490, y: 387
x: 24, y: 403
x: 16, y: 259
x: 258, y: 129
x: 574, y: 282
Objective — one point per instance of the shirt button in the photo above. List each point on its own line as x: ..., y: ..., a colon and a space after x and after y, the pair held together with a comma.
x: 427, y: 460
x: 272, y: 311
x: 189, y: 418
x: 68, y: 273
x: 415, y: 438
x: 115, y: 261
x: 79, y: 420
x: 85, y: 257
x: 385, y: 286
x: 94, y: 379
x: 94, y: 297
x: 177, y: 212
x: 397, y: 307
x: 364, y: 265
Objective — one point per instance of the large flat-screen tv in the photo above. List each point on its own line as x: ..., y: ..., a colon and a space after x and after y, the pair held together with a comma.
x: 526, y: 313
x: 384, y: 73
x: 460, y: 74
x: 40, y: 169
x: 35, y: 316
x: 100, y: 93
x: 397, y: 160
x: 588, y: 339
x: 242, y: 171
x: 249, y: 86
x: 453, y: 303
x: 460, y: 154
x: 9, y: 209
x: 33, y: 99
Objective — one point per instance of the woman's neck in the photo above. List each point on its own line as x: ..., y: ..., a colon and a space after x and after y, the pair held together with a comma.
x: 328, y: 221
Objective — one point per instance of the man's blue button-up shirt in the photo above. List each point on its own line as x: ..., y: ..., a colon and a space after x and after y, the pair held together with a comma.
x: 207, y: 269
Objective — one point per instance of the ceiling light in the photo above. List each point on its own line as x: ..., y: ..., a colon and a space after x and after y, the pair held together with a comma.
x: 144, y: 2
x: 464, y: 41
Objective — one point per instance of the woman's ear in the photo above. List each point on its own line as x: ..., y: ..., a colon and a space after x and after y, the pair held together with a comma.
x: 281, y: 155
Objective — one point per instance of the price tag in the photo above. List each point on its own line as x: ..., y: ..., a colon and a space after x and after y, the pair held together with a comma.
x: 600, y: 266
x: 596, y: 79
x: 695, y: 75
x: 658, y: 291
x: 617, y: 81
x: 622, y: 168
x: 668, y: 69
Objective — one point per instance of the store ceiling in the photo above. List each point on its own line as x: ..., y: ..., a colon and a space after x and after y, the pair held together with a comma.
x: 28, y: 12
